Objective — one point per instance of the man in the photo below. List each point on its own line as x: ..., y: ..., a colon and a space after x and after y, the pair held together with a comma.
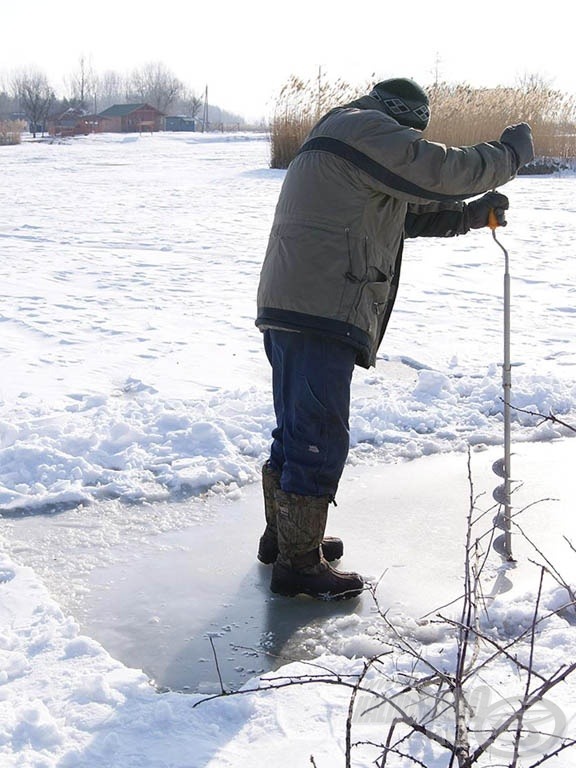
x: 364, y: 179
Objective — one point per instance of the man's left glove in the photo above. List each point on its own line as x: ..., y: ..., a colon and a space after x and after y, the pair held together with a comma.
x: 478, y: 210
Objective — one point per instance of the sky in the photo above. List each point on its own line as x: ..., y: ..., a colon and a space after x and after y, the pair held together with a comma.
x: 243, y: 52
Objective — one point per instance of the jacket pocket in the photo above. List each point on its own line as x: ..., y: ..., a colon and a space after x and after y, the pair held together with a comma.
x: 355, y: 273
x: 372, y: 303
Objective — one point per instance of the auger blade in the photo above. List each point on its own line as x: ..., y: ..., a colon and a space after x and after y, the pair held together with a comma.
x: 499, y: 468
x: 500, y: 521
x: 499, y: 544
x: 499, y: 494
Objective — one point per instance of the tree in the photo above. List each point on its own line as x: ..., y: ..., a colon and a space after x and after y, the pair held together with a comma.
x: 110, y: 88
x: 33, y: 91
x: 190, y: 103
x: 82, y: 85
x: 156, y: 85
x: 8, y: 104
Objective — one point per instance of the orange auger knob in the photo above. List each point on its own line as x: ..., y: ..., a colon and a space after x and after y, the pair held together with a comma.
x: 492, y: 219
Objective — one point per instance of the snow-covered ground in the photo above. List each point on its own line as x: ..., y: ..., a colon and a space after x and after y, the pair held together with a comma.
x: 135, y: 411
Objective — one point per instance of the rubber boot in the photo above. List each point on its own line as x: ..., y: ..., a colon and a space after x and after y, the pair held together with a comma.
x: 332, y: 548
x: 300, y: 567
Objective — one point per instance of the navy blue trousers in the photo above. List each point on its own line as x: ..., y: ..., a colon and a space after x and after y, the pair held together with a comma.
x: 311, y: 379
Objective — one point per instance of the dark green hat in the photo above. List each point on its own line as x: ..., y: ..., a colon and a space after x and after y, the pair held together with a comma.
x: 404, y: 100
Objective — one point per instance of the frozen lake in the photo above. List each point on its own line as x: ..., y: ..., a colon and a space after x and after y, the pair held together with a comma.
x: 154, y: 599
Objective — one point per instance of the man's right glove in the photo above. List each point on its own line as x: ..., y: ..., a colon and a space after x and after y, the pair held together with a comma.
x: 518, y: 138
x: 479, y: 210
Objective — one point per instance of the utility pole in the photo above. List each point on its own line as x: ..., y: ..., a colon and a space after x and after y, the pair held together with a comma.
x: 437, y: 62
x: 205, y: 112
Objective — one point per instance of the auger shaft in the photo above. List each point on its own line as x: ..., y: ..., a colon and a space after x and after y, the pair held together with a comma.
x: 503, y: 543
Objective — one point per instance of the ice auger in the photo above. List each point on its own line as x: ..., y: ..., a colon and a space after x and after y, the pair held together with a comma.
x: 503, y: 520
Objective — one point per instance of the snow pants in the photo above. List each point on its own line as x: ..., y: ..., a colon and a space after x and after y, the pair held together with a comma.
x: 311, y: 379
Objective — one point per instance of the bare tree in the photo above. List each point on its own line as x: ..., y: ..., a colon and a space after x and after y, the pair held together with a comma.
x: 190, y: 103
x: 110, y: 88
x: 8, y: 104
x: 35, y: 95
x: 82, y: 85
x: 156, y: 85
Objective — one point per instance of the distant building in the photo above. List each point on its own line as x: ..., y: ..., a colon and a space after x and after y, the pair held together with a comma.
x: 120, y: 118
x: 180, y: 123
x: 131, y: 118
x: 73, y: 122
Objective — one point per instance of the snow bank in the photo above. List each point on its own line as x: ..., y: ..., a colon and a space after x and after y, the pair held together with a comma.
x: 136, y: 445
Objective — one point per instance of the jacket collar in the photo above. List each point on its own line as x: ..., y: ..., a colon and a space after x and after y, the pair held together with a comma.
x: 365, y: 102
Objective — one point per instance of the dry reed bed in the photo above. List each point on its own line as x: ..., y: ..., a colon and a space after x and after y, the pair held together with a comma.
x: 11, y: 131
x: 461, y: 115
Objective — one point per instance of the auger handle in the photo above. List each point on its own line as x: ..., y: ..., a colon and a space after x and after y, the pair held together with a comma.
x: 492, y: 219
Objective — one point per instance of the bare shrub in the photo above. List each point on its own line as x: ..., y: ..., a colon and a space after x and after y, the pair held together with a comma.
x: 480, y: 693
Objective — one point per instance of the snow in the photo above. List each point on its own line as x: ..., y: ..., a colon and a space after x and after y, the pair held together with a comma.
x: 135, y: 413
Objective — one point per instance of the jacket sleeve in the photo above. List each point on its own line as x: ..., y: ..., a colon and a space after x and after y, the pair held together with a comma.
x: 436, y: 220
x: 400, y: 162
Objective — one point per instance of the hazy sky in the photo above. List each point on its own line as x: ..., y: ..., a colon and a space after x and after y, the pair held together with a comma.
x: 244, y: 51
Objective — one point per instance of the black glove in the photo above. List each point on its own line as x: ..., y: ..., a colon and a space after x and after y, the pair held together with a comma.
x: 518, y: 138
x: 478, y: 210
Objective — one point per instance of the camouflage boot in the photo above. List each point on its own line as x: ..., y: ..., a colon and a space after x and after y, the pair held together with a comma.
x: 301, y: 567
x: 332, y: 548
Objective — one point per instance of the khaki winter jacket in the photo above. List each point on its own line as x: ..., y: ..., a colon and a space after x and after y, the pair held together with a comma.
x: 333, y: 259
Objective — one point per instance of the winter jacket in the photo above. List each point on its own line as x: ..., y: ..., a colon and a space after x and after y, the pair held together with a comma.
x: 358, y: 186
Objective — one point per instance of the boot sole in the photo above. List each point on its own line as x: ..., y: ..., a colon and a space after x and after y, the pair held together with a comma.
x: 324, y: 596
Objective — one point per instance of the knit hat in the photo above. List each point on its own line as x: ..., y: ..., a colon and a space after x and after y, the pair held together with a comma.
x: 404, y: 100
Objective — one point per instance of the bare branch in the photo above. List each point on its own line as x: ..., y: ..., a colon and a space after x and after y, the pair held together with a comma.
x: 403, y: 643
x: 550, y: 417
x: 271, y: 685
x: 443, y: 697
x: 567, y: 540
x: 529, y: 672
x: 501, y: 650
x: 536, y: 696
x: 217, y: 665
x: 348, y: 753
x: 552, y: 570
x: 555, y: 753
x: 390, y: 750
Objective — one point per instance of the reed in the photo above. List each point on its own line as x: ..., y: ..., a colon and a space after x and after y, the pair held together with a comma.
x: 461, y: 115
x: 11, y: 132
